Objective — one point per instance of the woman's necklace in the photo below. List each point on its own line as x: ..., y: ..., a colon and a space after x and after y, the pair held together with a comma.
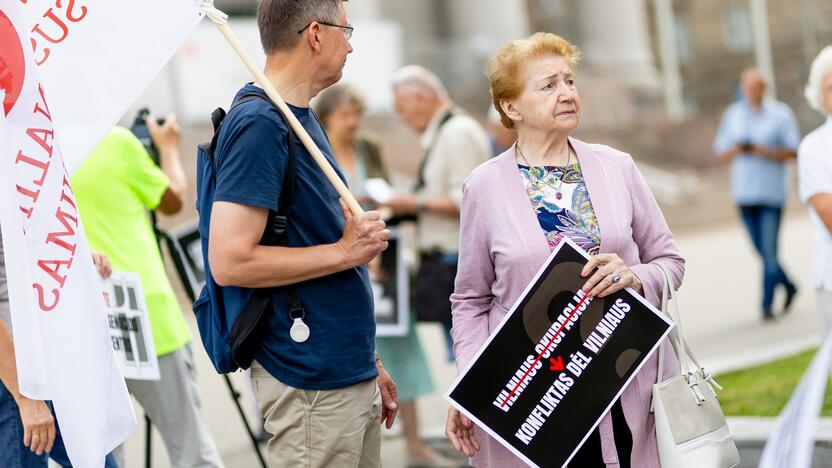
x: 539, y: 176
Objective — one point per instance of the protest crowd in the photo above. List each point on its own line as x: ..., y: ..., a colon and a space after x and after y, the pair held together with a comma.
x: 296, y: 282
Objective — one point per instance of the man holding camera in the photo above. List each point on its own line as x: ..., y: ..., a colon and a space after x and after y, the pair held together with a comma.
x: 758, y: 136
x: 114, y: 187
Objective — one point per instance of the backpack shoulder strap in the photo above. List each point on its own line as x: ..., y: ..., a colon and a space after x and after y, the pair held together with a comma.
x: 217, y: 117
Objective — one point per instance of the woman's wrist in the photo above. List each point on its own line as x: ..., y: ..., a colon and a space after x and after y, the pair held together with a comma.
x: 637, y: 284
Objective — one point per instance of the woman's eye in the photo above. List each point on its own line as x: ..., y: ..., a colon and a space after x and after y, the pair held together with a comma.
x: 570, y: 82
x: 548, y: 86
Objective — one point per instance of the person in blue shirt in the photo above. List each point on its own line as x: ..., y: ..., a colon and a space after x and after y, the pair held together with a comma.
x: 758, y: 136
x: 323, y: 398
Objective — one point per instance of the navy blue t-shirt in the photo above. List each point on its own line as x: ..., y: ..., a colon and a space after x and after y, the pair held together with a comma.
x: 251, y: 158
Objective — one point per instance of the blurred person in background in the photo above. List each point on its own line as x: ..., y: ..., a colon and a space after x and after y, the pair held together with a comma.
x: 29, y: 431
x: 501, y: 137
x: 454, y: 145
x: 814, y: 166
x: 341, y: 110
x: 114, y: 187
x: 758, y: 136
x: 516, y: 209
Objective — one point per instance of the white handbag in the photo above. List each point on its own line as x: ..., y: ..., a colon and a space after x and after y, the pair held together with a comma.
x: 691, y: 430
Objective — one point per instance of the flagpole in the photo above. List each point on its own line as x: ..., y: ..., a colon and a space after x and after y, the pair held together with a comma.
x: 220, y: 19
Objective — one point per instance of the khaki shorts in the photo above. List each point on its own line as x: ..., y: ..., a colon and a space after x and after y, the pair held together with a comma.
x: 319, y: 428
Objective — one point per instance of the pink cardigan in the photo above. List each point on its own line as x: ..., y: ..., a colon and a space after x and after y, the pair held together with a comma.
x: 502, y: 246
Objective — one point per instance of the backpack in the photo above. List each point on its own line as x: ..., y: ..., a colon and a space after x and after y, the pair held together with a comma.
x: 231, y: 337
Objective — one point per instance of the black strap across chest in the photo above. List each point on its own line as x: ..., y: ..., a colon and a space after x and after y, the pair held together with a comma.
x: 420, y: 184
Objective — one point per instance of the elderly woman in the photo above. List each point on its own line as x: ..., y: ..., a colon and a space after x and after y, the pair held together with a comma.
x: 814, y: 166
x: 519, y: 205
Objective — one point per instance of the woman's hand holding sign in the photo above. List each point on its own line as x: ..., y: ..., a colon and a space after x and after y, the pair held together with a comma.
x: 460, y: 431
x: 611, y: 275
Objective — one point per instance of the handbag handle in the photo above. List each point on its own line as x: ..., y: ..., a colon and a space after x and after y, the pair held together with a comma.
x: 670, y: 307
x: 676, y: 333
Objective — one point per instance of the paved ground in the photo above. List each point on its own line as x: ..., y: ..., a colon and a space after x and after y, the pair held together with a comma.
x: 719, y: 302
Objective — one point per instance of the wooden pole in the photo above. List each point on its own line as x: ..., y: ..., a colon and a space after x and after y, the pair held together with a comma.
x: 307, y: 141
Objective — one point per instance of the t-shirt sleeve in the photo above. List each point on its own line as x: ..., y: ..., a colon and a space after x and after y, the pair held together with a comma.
x: 251, y: 162
x: 790, y: 133
x: 143, y: 176
x: 813, y: 173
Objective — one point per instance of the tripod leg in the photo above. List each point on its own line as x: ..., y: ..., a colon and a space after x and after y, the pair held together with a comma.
x: 148, y: 440
x: 235, y: 395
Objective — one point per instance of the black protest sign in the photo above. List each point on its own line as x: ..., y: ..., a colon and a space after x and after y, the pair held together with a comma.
x: 557, y: 362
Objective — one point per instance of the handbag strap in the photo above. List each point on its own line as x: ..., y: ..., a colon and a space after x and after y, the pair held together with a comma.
x: 670, y: 307
x: 676, y: 336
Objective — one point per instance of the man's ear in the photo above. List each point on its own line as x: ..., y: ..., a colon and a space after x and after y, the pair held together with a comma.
x: 312, y: 36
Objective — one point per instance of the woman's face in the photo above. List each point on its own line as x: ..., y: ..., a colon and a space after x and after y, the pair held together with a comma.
x: 549, y: 102
x: 826, y: 91
x: 344, y: 121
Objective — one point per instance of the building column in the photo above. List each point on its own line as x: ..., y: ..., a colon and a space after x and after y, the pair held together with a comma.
x: 616, y: 37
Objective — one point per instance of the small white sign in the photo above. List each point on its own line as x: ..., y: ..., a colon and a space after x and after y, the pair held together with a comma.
x: 130, y: 327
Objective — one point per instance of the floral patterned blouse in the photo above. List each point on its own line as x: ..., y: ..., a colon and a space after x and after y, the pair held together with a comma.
x: 571, y: 215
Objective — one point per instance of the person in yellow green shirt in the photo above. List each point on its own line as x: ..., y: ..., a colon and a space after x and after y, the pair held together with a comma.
x: 115, y: 186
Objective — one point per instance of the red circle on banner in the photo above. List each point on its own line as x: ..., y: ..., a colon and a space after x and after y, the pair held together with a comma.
x: 12, y: 63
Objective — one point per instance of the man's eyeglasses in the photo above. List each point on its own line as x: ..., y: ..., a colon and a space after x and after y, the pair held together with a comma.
x: 347, y: 29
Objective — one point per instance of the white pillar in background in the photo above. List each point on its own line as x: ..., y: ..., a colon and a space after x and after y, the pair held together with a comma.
x: 488, y: 24
x: 362, y: 11
x: 671, y: 77
x: 615, y: 36
x: 762, y: 43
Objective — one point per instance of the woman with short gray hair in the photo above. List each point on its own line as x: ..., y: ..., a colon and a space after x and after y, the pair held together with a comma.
x: 814, y: 166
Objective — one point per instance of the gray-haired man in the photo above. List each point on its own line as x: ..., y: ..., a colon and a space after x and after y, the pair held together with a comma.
x: 322, y: 397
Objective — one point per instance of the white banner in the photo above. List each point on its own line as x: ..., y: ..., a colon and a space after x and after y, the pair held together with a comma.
x: 792, y: 443
x: 62, y: 340
x: 130, y: 327
x: 97, y: 57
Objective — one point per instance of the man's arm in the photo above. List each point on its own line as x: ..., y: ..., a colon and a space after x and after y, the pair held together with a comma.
x: 167, y: 139
x: 724, y: 146
x: 775, y: 154
x: 38, y: 424
x: 727, y: 155
x: 237, y: 259
x: 411, y: 204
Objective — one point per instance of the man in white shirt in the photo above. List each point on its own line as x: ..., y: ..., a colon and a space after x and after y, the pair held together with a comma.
x: 454, y: 144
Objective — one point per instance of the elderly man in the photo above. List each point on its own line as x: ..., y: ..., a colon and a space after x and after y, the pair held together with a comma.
x: 315, y: 377
x: 758, y: 136
x: 454, y: 144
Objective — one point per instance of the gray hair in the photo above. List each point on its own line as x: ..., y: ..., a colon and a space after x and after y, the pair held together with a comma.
x: 280, y: 20
x: 820, y: 67
x: 421, y: 79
